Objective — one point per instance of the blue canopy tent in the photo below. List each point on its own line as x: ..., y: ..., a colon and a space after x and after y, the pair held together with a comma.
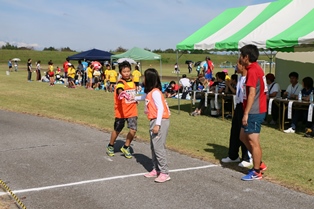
x: 92, y: 55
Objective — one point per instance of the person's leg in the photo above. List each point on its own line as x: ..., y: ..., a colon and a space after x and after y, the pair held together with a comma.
x: 118, y: 126
x: 132, y: 125
x: 234, y: 140
x: 254, y: 141
x: 252, y: 132
x: 159, y: 142
x: 275, y: 112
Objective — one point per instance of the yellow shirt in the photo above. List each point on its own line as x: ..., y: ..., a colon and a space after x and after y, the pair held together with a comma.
x: 71, y: 72
x: 136, y: 76
x: 107, y: 74
x: 89, y: 72
x: 112, y: 76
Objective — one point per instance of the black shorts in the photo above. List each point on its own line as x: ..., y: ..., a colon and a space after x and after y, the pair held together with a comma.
x: 70, y: 79
x: 10, y: 66
x: 137, y: 83
x: 96, y: 79
x: 119, y: 123
x: 112, y: 83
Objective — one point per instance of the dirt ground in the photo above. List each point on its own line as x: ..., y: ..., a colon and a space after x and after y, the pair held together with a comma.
x: 7, y: 202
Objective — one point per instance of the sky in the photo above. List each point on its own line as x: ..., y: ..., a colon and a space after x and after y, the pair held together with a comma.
x: 107, y: 24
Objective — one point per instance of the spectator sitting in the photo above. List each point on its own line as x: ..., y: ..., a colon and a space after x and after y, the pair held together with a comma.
x: 221, y: 88
x: 202, y: 84
x: 273, y: 92
x: 185, y: 83
x: 226, y: 73
x: 231, y: 84
x: 171, y: 90
x: 302, y: 114
x: 294, y: 87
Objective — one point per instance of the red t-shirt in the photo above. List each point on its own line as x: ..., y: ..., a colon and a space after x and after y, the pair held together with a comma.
x: 255, y: 78
x: 210, y: 67
x: 65, y: 66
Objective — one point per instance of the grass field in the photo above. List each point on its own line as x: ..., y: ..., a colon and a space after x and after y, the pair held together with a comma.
x: 288, y: 156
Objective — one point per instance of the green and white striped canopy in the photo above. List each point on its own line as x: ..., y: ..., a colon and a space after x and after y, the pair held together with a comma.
x: 280, y: 26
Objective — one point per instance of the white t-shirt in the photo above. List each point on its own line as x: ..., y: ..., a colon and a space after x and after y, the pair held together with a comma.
x: 185, y: 82
x: 240, y: 88
x: 274, y: 87
x: 293, y: 90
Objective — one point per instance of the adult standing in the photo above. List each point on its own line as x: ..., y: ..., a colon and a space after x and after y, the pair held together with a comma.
x: 29, y: 70
x: 38, y: 73
x: 234, y: 140
x: 210, y: 69
x: 255, y: 107
x: 65, y: 68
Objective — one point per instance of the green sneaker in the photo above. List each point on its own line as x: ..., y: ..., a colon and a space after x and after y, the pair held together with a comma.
x: 110, y: 151
x: 126, y: 152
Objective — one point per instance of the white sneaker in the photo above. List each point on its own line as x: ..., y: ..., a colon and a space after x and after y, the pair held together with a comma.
x: 228, y: 160
x: 245, y: 164
x: 289, y: 130
x: 272, y: 122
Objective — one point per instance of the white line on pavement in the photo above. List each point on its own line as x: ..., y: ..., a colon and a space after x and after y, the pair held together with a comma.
x: 102, y: 179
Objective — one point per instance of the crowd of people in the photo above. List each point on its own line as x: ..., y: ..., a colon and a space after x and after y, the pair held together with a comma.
x: 252, y: 89
x: 93, y: 75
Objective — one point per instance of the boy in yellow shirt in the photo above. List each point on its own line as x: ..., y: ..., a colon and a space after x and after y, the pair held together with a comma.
x: 107, y: 82
x: 112, y: 74
x: 89, y: 84
x: 71, y: 75
x: 136, y: 74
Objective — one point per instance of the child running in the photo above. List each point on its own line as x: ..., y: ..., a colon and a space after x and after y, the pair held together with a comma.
x: 125, y: 108
x: 158, y: 113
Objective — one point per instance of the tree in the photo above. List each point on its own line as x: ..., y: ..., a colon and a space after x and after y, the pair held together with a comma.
x: 169, y: 51
x: 9, y: 46
x: 50, y: 49
x: 67, y: 49
x: 120, y: 49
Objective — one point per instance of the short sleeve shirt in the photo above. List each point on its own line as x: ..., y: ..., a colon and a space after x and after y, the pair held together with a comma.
x: 255, y: 78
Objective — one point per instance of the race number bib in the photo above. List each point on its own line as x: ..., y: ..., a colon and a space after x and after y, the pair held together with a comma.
x: 132, y: 94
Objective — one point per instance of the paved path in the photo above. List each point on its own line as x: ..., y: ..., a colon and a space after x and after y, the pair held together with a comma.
x: 51, y: 164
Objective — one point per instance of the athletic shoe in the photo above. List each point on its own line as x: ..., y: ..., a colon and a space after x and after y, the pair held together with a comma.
x: 263, y: 166
x: 151, y: 174
x: 162, y: 178
x: 110, y: 151
x: 126, y: 152
x: 228, y: 160
x: 289, y: 130
x: 245, y: 164
x: 252, y: 175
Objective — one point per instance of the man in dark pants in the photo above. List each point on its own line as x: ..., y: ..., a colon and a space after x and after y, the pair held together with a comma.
x: 234, y: 140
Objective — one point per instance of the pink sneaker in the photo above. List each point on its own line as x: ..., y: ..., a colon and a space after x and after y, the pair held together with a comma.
x: 152, y: 174
x: 162, y: 178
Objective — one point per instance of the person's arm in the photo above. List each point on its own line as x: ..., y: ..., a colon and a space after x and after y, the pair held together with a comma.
x: 140, y: 98
x: 157, y: 98
x: 250, y: 101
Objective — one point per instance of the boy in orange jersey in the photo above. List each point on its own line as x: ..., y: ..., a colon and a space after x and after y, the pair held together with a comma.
x: 125, y: 108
